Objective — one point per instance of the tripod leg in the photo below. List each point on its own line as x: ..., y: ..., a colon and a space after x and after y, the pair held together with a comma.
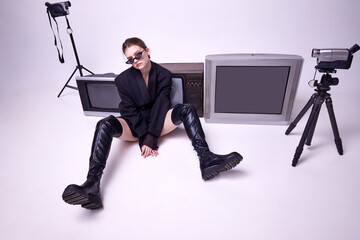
x: 335, y: 129
x: 312, y: 129
x: 66, y: 84
x: 88, y: 70
x: 310, y: 122
x: 301, y: 114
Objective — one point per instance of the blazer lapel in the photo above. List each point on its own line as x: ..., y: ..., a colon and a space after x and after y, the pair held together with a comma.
x: 142, y: 87
x: 152, y: 82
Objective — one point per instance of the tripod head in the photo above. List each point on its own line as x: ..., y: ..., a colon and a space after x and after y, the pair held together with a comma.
x: 326, y: 81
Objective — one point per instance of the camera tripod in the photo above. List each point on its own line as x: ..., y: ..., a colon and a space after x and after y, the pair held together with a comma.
x: 317, y: 99
x: 79, y: 66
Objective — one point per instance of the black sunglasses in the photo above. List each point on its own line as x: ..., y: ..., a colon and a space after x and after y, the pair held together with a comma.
x: 137, y: 57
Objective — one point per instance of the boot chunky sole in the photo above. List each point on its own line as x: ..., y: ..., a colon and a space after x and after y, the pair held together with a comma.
x: 230, y: 162
x: 76, y: 195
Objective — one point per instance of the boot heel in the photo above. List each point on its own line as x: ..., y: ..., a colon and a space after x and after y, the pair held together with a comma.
x: 231, y: 161
x: 94, y: 203
x: 76, y: 195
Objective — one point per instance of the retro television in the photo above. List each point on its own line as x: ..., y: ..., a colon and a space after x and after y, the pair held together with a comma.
x: 100, y: 97
x: 98, y: 94
x: 250, y: 88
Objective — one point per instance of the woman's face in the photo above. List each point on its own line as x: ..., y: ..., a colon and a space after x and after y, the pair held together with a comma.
x: 143, y: 62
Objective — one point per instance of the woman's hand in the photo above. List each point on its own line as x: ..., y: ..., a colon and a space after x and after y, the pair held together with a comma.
x: 147, y: 151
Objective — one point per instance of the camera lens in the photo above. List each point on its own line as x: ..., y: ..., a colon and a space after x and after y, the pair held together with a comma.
x: 315, y: 53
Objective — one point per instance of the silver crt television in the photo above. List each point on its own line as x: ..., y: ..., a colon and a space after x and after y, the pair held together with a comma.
x: 250, y: 88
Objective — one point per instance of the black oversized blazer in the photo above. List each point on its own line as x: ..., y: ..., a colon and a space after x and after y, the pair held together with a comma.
x: 144, y: 108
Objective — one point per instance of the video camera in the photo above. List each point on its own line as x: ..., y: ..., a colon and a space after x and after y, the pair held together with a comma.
x: 58, y: 9
x: 337, y: 58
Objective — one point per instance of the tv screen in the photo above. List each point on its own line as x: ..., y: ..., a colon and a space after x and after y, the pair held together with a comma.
x: 250, y: 88
x: 103, y: 95
x: 233, y: 84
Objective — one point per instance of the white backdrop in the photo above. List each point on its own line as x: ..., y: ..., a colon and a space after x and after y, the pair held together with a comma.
x: 183, y: 31
x: 45, y: 141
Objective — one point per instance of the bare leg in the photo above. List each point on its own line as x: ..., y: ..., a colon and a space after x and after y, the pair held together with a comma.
x: 168, y: 124
x: 126, y: 134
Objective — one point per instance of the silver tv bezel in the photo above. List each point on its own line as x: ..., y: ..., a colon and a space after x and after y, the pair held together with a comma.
x: 295, y: 63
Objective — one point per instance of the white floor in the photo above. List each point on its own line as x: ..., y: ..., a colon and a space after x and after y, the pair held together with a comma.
x: 45, y: 145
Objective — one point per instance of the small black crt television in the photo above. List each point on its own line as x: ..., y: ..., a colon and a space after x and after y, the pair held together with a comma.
x: 99, y: 95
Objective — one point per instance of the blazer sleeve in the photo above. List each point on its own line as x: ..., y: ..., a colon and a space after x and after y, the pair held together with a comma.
x: 162, y: 102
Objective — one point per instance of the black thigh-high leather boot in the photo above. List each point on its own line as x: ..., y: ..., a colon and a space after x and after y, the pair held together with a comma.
x: 88, y: 194
x: 210, y: 164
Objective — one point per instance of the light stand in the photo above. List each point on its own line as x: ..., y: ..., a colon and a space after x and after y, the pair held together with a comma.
x: 79, y: 66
